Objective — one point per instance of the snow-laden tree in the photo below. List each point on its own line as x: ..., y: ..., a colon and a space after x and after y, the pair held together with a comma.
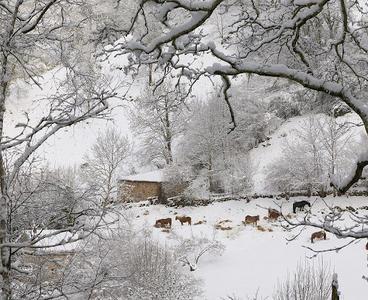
x: 36, y: 36
x: 204, y: 143
x: 217, y: 152
x: 125, y: 265
x: 158, y: 118
x: 321, y: 147
x: 336, y: 139
x: 49, y: 199
x: 318, y: 44
x: 103, y: 164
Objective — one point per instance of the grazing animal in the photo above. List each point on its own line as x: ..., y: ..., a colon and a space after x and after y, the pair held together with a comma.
x: 184, y: 219
x: 318, y: 235
x: 251, y: 219
x: 273, y: 214
x: 163, y: 223
x: 300, y: 205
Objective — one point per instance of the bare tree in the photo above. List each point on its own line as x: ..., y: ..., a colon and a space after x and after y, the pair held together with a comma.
x: 158, y: 117
x: 336, y: 137
x: 32, y: 34
x: 320, y: 149
x: 101, y: 167
x: 42, y: 198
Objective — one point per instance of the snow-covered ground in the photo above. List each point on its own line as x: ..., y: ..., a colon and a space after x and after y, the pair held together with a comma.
x: 254, y: 260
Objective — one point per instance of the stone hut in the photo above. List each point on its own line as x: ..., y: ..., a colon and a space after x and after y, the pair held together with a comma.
x: 141, y: 186
x: 144, y: 186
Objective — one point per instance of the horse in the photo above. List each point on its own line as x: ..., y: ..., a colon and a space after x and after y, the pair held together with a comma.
x: 163, y: 223
x: 251, y: 219
x: 300, y: 205
x: 184, y: 219
x: 273, y: 214
x: 318, y: 235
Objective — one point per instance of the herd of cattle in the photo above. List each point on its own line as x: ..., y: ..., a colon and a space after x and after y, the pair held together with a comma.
x: 273, y: 215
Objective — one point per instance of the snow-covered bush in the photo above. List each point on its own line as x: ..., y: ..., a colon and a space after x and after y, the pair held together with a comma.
x: 191, y: 250
x: 127, y: 265
x: 157, y: 274
x: 178, y: 173
x: 309, y: 281
x: 296, y: 170
x: 237, y: 176
x: 199, y: 188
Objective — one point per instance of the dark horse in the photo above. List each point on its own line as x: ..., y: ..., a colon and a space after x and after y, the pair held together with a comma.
x: 300, y: 205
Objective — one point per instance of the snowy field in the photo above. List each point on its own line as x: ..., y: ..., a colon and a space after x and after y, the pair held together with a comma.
x: 256, y: 260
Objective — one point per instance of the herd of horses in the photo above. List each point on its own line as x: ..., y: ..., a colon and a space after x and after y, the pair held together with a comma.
x: 273, y: 215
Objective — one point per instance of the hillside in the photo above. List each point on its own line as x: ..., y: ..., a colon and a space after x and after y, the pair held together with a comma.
x: 270, y: 151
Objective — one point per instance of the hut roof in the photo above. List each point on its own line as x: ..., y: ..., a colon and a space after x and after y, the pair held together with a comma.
x: 153, y: 176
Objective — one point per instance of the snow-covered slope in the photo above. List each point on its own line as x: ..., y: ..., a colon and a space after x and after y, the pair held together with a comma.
x: 270, y: 151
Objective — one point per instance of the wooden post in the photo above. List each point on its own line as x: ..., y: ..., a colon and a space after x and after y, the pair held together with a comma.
x: 335, y: 288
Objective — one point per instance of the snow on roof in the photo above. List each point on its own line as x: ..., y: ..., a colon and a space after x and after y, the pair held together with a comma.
x: 153, y: 176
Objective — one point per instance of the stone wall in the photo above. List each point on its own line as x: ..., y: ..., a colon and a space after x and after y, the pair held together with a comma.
x: 134, y: 191
x: 49, y: 265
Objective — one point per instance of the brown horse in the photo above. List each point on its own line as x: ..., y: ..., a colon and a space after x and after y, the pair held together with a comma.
x: 251, y: 219
x: 273, y: 214
x: 318, y: 235
x: 163, y: 223
x: 184, y: 219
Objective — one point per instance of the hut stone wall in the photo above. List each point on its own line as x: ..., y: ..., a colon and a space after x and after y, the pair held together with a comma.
x: 134, y: 191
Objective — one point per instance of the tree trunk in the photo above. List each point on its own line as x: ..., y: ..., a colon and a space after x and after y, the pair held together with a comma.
x: 4, y: 252
x: 335, y: 288
x: 4, y: 80
x: 168, y: 135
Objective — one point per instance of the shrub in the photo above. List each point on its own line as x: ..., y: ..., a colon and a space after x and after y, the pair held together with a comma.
x: 307, y: 282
